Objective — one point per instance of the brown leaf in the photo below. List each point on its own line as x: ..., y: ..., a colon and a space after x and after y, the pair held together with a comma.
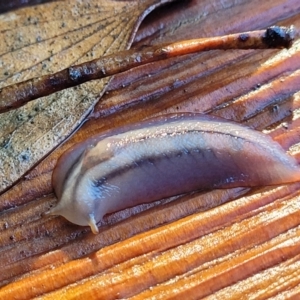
x: 45, y: 39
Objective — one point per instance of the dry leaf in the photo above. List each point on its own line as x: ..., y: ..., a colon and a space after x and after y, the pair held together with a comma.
x: 45, y: 39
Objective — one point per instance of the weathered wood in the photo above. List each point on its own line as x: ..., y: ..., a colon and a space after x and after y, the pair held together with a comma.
x: 230, y: 244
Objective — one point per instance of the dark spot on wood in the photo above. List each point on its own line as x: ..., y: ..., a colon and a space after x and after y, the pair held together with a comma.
x: 74, y: 74
x: 276, y: 36
x: 257, y: 86
x: 275, y: 108
x: 244, y: 37
x: 285, y: 125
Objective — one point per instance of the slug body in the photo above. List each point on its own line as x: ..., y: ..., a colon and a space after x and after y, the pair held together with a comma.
x: 163, y: 157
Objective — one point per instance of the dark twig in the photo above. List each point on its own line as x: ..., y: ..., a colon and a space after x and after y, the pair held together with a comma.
x: 16, y: 95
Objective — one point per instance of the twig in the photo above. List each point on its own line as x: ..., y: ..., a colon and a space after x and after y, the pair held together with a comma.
x: 16, y: 95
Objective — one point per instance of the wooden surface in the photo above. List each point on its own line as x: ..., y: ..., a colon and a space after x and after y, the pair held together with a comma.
x: 221, y: 244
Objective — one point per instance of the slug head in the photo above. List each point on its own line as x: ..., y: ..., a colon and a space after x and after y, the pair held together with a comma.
x: 75, y: 202
x: 76, y: 208
x: 74, y: 217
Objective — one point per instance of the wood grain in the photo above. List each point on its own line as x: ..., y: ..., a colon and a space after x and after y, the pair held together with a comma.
x: 221, y: 244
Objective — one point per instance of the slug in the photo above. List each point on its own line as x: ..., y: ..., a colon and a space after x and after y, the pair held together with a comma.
x: 163, y: 157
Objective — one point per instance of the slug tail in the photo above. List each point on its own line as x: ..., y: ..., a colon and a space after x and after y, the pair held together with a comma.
x: 286, y: 171
x: 292, y: 176
x: 92, y: 224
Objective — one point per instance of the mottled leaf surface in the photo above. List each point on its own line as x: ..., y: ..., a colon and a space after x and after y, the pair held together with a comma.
x: 45, y: 39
